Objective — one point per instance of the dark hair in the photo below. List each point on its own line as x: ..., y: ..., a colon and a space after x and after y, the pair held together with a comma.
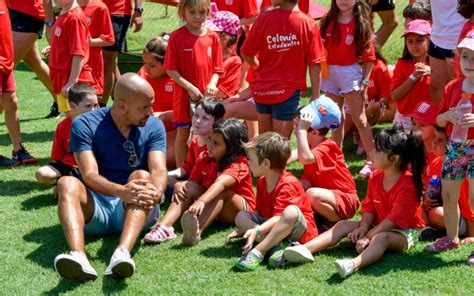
x: 465, y: 8
x: 418, y: 11
x: 235, y: 134
x: 406, y: 55
x: 212, y: 106
x: 157, y: 47
x: 440, y: 129
x: 409, y: 147
x: 363, y: 29
x: 271, y: 146
x: 79, y: 92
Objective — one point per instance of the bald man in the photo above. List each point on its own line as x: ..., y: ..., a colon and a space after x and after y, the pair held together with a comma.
x: 120, y: 151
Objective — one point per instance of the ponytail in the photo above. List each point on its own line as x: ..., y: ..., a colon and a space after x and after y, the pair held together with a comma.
x: 415, y: 150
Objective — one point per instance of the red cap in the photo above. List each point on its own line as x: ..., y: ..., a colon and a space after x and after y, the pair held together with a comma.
x: 426, y: 113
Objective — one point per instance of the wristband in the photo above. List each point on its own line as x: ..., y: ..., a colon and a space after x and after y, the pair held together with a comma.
x: 139, y: 10
x: 49, y: 23
x: 412, y: 77
x: 257, y: 230
x: 365, y: 82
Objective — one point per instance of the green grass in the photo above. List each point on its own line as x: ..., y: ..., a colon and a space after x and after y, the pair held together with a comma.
x: 31, y: 237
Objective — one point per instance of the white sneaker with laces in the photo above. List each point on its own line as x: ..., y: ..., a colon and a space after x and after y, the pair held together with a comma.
x: 74, y: 266
x: 298, y: 254
x: 121, y: 264
x: 345, y: 267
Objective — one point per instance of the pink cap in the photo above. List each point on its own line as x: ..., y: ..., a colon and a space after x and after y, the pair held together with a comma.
x: 420, y: 27
x: 224, y: 21
x: 426, y: 113
x: 468, y: 41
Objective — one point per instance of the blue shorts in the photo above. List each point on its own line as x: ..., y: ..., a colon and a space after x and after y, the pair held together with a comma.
x: 109, y: 215
x: 283, y: 111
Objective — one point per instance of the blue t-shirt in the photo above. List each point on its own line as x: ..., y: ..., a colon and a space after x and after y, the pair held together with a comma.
x: 96, y: 131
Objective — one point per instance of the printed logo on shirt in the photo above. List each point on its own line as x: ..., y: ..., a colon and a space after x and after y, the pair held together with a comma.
x: 282, y: 42
x: 57, y: 32
x: 371, y: 83
x: 229, y: 2
x: 169, y: 87
x: 423, y: 107
x: 188, y: 49
x: 349, y: 39
x: 209, y: 52
x: 89, y: 20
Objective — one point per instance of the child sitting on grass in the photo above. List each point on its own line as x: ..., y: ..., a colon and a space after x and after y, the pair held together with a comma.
x: 390, y: 211
x: 326, y: 179
x: 283, y: 210
x: 82, y: 98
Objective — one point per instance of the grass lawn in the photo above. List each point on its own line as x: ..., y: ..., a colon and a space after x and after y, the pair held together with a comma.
x: 31, y: 237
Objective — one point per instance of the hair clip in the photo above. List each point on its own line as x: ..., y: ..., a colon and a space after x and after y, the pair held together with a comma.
x: 166, y: 37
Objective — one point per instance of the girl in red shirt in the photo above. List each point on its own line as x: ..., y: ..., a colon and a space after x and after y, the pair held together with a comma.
x: 390, y: 211
x: 219, y: 187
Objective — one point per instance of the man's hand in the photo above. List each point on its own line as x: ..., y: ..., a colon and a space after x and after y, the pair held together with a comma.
x: 136, y: 21
x: 130, y: 193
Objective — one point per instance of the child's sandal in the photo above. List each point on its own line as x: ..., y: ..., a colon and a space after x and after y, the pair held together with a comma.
x: 159, y: 234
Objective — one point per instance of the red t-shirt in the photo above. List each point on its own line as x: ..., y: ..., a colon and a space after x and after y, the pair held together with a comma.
x: 287, y: 191
x: 451, y: 97
x: 60, y: 151
x: 100, y: 26
x: 329, y: 170
x: 400, y: 204
x: 419, y: 92
x: 119, y: 7
x: 241, y: 8
x: 163, y: 89
x: 464, y: 206
x: 70, y: 37
x: 379, y: 82
x: 229, y: 81
x: 205, y: 173
x: 344, y: 53
x: 196, y: 58
x: 286, y: 42
x: 468, y: 27
x: 434, y: 168
x: 31, y: 7
x: 193, y: 153
x: 6, y: 43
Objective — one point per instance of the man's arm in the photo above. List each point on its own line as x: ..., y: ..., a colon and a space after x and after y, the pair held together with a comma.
x: 158, y: 171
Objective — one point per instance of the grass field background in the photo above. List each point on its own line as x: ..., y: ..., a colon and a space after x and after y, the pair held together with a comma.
x: 31, y: 236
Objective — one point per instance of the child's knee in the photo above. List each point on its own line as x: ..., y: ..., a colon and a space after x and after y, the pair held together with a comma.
x: 290, y: 214
x: 45, y: 175
x: 242, y: 218
x: 436, y: 217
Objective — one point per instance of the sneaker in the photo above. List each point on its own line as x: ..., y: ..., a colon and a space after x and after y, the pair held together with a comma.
x: 190, y: 226
x: 22, y: 156
x: 74, y: 266
x: 121, y: 264
x: 249, y: 262
x: 345, y: 267
x: 6, y: 162
x: 360, y: 149
x: 298, y: 254
x: 430, y: 233
x: 441, y: 245
x: 53, y: 111
x: 159, y: 234
x: 367, y: 169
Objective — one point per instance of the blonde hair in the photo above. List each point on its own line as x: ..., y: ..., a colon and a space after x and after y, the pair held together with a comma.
x: 271, y: 146
x: 196, y: 4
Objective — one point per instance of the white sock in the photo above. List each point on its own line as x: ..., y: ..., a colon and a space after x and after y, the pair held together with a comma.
x: 257, y: 254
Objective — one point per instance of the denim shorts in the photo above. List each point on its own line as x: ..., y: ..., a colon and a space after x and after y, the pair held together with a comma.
x: 342, y: 79
x: 283, y: 111
x: 109, y: 215
x: 439, y: 52
x: 458, y: 161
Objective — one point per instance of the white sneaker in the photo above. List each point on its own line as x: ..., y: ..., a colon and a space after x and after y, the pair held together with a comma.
x: 345, y: 267
x: 121, y: 264
x: 190, y: 226
x: 298, y: 254
x: 74, y: 266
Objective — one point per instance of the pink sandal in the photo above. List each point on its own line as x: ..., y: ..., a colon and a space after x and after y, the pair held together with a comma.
x: 159, y: 234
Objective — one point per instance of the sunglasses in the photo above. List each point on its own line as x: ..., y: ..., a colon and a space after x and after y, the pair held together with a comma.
x: 129, y: 147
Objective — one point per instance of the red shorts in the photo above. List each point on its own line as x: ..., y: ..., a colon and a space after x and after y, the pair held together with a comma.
x: 181, y: 108
x: 7, y: 82
x: 347, y: 203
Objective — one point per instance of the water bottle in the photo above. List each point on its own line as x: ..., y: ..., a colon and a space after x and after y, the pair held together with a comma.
x: 434, y: 189
x: 464, y: 106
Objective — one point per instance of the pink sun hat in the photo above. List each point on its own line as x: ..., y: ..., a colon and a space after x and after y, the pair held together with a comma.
x: 224, y: 21
x: 420, y: 27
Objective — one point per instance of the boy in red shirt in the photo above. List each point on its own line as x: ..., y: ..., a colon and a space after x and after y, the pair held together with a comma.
x: 69, y: 51
x: 101, y: 35
x: 286, y: 42
x: 326, y: 179
x: 82, y: 99
x: 283, y: 210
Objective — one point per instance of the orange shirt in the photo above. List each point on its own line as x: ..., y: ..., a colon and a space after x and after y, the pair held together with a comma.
x: 119, y: 7
x: 229, y: 80
x: 6, y: 43
x: 205, y: 173
x: 286, y: 42
x: 379, y: 82
x: 194, y: 150
x: 287, y: 191
x: 344, y: 52
x: 400, y: 204
x: 60, y: 151
x: 31, y: 7
x: 451, y: 97
x: 241, y: 8
x: 100, y: 26
x: 464, y: 206
x: 420, y: 90
x: 70, y: 37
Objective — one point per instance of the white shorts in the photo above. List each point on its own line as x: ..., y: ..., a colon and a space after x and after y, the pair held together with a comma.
x: 342, y: 79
